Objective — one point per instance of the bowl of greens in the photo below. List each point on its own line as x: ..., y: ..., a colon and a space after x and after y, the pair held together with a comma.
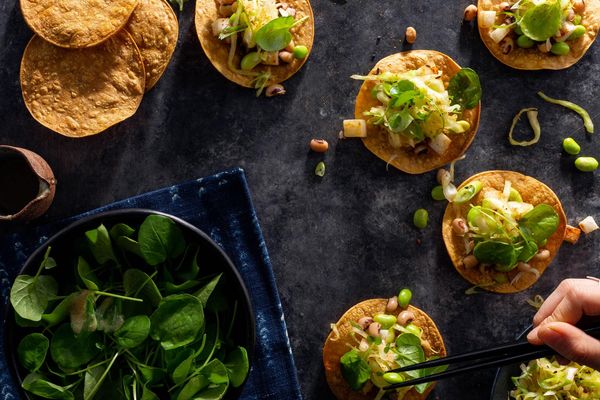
x: 130, y: 304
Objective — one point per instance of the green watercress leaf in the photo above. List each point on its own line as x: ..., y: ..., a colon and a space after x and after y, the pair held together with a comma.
x: 542, y: 21
x: 464, y: 89
x: 133, y: 332
x: 541, y: 222
x: 92, y: 378
x: 177, y: 321
x: 100, y: 245
x: 409, y: 350
x: 237, y: 366
x: 70, y: 352
x: 355, y: 369
x: 29, y: 295
x: 139, y: 284
x: 503, y: 255
x: 160, y: 238
x: 60, y: 312
x: 38, y: 385
x: 32, y: 350
x: 275, y: 35
x: 119, y: 230
x: 48, y: 262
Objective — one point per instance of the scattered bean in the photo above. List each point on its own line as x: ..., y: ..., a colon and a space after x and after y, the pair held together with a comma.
x: 320, y: 169
x: 571, y: 146
x: 504, y: 6
x: 405, y: 317
x: 525, y: 42
x: 560, y: 48
x: 364, y: 322
x: 411, y: 35
x: 460, y: 227
x: 420, y: 218
x: 286, y: 56
x: 404, y: 297
x: 470, y: 261
x: 470, y: 12
x: 507, y: 45
x: 392, y: 304
x: 437, y: 193
x: 300, y: 52
x: 586, y: 164
x: 385, y: 320
x: 373, y: 329
x: 412, y: 328
x: 542, y: 255
x: 579, y: 6
x: 250, y: 61
x: 274, y: 90
x: 578, y: 32
x: 319, y: 145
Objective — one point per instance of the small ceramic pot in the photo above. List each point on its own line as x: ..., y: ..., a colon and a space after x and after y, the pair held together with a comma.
x: 24, y: 169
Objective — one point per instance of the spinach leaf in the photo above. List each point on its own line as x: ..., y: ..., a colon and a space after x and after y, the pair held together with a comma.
x: 150, y: 375
x: 133, y: 332
x: 38, y: 384
x: 216, y: 374
x: 129, y: 245
x: 503, y: 255
x: 464, y: 88
x: 159, y: 239
x: 91, y: 380
x: 355, y: 370
x: 32, y: 351
x: 542, y: 21
x: 193, y: 386
x: 70, y: 352
x: 83, y: 313
x: 177, y: 321
x: 60, y: 312
x: 541, y: 222
x: 204, y: 293
x: 100, y: 245
x: 148, y: 394
x: 237, y: 366
x: 171, y: 288
x: 138, y: 283
x: 528, y: 248
x: 190, y: 268
x: 119, y: 230
x: 87, y: 275
x: 275, y: 35
x: 183, y: 369
x: 409, y: 350
x: 29, y: 295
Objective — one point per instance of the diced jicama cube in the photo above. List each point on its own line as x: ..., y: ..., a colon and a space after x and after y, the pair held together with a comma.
x: 355, y: 128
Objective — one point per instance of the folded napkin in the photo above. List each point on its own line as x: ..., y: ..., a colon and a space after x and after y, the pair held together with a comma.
x: 221, y: 206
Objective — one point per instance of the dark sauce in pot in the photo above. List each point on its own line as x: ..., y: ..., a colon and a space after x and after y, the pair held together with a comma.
x: 18, y: 183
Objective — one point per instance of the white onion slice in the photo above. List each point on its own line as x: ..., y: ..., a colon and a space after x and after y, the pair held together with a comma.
x: 499, y: 33
x: 487, y: 19
x: 506, y: 191
x: 588, y: 225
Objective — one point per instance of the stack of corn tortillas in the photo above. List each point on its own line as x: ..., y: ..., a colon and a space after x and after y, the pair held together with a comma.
x: 90, y: 61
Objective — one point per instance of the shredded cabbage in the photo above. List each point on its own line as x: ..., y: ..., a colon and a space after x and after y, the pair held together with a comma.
x: 545, y: 379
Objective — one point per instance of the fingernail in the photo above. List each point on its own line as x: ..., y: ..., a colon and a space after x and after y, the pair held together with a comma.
x: 533, y: 334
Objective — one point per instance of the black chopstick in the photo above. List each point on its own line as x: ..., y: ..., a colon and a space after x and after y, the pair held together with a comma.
x: 498, y: 356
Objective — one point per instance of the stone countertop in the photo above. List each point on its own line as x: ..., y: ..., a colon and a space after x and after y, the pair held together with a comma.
x: 347, y: 236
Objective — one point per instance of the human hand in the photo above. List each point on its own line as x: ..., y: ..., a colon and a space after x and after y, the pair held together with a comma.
x: 555, y: 320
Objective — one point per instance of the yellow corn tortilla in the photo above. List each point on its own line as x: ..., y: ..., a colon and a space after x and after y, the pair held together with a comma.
x: 81, y: 92
x: 377, y: 138
x: 532, y: 191
x: 217, y: 51
x: 76, y: 23
x: 154, y: 29
x: 533, y: 59
x: 336, y: 346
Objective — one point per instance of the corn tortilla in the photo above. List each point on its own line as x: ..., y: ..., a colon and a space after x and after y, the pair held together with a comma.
x: 532, y: 191
x: 336, y: 346
x: 377, y: 140
x: 81, y: 92
x: 154, y: 29
x: 533, y: 59
x: 76, y: 23
x: 217, y: 50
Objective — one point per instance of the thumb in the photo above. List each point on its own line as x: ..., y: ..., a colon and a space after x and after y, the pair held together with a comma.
x: 571, y: 343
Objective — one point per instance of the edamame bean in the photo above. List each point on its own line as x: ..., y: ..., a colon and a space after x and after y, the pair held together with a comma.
x: 320, y: 169
x: 300, y: 52
x: 514, y: 195
x: 571, y: 146
x: 518, y: 30
x: 386, y: 321
x: 577, y: 19
x: 578, y: 32
x: 415, y: 330
x: 393, y: 377
x: 250, y: 61
x: 420, y: 218
x: 560, y: 48
x: 525, y: 42
x: 437, y: 193
x: 586, y: 164
x: 404, y: 297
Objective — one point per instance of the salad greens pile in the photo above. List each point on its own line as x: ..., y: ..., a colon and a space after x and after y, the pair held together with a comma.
x: 550, y: 24
x: 505, y: 229
x: 137, y: 320
x: 545, y: 379
x: 416, y: 107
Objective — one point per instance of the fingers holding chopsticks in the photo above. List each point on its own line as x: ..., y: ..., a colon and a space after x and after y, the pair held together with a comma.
x: 553, y: 323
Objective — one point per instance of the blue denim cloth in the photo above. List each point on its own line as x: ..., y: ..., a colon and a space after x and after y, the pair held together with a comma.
x: 221, y: 206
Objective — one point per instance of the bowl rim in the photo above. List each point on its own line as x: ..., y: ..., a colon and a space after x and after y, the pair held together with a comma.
x: 10, y: 357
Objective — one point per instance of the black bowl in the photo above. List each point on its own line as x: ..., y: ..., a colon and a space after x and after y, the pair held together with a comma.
x: 502, y: 383
x: 212, y: 256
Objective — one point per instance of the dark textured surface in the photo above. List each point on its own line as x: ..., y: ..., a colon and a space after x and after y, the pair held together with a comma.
x: 348, y: 236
